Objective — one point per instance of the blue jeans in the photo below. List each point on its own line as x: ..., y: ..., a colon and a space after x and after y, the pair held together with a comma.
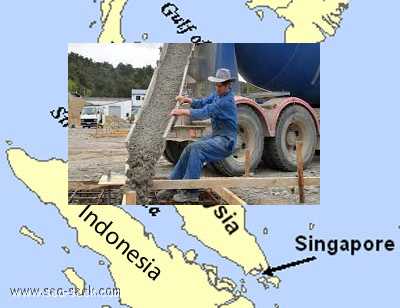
x: 196, y: 154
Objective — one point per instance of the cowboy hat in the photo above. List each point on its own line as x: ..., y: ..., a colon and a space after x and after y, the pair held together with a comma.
x: 222, y: 75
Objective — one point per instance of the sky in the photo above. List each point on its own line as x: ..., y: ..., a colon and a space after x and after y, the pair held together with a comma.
x: 136, y: 54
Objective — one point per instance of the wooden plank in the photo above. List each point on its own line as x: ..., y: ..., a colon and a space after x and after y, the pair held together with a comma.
x: 300, y: 167
x: 115, y: 179
x: 227, y: 182
x: 130, y: 197
x: 214, y: 182
x: 247, y: 163
x: 228, y: 196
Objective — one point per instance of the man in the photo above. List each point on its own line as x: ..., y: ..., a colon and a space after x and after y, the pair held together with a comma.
x: 220, y: 107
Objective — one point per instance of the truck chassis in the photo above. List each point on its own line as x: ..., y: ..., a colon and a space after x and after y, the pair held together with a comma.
x: 270, y: 123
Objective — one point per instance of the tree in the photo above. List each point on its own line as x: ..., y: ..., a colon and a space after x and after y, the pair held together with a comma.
x: 89, y: 78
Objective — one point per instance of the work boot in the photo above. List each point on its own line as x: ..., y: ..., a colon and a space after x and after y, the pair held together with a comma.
x: 186, y: 196
x: 166, y: 194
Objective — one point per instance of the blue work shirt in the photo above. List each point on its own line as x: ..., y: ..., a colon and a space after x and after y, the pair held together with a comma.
x: 221, y: 109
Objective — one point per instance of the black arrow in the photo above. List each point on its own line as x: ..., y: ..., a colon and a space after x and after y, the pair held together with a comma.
x: 270, y: 270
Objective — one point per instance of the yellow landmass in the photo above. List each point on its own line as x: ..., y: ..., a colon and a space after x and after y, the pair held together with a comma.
x: 73, y: 277
x: 180, y: 283
x: 24, y: 230
x: 211, y: 271
x: 190, y: 255
x: 275, y: 281
x: 266, y: 281
x: 225, y: 284
x: 240, y: 247
x: 111, y: 18
x: 311, y: 21
x: 239, y: 303
x: 272, y: 4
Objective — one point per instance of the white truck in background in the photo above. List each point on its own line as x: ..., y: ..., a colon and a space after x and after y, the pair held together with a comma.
x: 92, y: 117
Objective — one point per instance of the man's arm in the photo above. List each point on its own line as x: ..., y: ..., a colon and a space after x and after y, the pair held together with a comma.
x: 207, y: 111
x: 201, y: 102
x: 197, y: 114
x: 210, y: 107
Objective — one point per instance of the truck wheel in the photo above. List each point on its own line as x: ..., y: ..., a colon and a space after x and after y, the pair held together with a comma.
x: 251, y: 137
x: 295, y: 122
x: 173, y: 150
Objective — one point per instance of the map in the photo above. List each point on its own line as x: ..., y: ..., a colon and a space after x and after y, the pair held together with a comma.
x: 117, y: 256
x: 309, y: 21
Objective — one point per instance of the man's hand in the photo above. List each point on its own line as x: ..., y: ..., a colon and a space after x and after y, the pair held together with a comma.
x: 180, y: 112
x: 183, y: 99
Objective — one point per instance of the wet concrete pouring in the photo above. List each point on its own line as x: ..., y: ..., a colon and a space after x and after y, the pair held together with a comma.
x: 146, y: 142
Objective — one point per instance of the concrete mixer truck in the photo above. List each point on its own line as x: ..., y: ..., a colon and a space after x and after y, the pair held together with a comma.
x: 285, y: 109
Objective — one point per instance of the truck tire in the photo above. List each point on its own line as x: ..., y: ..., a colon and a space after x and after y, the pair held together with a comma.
x: 250, y: 136
x: 173, y: 150
x: 280, y: 151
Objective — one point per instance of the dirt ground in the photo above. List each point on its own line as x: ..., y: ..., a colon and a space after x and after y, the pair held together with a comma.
x: 91, y: 157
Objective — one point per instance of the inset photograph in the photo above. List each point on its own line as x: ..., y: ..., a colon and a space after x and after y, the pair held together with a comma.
x: 209, y: 124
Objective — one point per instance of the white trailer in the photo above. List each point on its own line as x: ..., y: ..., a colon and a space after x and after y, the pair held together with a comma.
x: 122, y: 109
x: 137, y: 99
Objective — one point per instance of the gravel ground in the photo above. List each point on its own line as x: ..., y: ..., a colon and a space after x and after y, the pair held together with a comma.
x: 90, y: 158
x: 281, y: 195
